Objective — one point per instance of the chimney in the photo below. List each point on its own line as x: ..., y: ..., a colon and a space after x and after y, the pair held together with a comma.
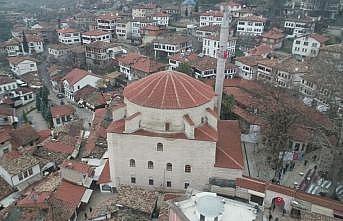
x: 221, y: 58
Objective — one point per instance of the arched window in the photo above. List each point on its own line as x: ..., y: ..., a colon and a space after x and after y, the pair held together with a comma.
x: 150, y: 165
x: 188, y: 168
x: 132, y: 163
x: 169, y: 167
x: 159, y: 147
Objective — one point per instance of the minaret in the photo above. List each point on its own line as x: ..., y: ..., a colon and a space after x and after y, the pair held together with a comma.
x: 221, y: 57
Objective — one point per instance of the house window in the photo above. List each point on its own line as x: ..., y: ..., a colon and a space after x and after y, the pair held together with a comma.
x: 167, y: 126
x: 30, y: 171
x: 150, y: 165
x: 58, y: 120
x: 186, y: 185
x: 169, y: 167
x: 168, y: 183
x: 202, y: 217
x: 151, y: 182
x: 133, y: 179
x: 32, y: 65
x: 159, y: 147
x: 297, y: 42
x: 5, y: 150
x: 306, y: 43
x: 132, y: 163
x: 188, y: 168
x: 20, y: 176
x: 25, y: 174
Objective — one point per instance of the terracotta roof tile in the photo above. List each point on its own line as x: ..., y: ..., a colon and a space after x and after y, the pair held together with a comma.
x: 95, y: 33
x: 67, y: 30
x: 17, y: 60
x: 6, y: 80
x: 69, y: 193
x: 168, y: 90
x: 260, y: 50
x: 251, y: 184
x: 75, y: 75
x: 24, y: 135
x: 229, y: 151
x: 62, y: 110
x: 4, y: 136
x: 59, y: 147
x: 77, y: 166
x: 321, y: 38
x: 274, y: 33
x: 105, y: 176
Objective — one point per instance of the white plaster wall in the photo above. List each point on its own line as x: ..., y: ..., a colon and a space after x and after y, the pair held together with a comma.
x: 35, y: 170
x: 155, y: 119
x: 24, y: 67
x: 180, y: 152
x: 8, y: 87
x: 6, y: 176
x: 87, y: 80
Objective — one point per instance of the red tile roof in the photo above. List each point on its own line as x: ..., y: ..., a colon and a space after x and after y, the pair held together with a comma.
x: 274, y: 33
x: 4, y: 136
x: 105, y: 176
x: 69, y: 193
x: 84, y: 92
x: 34, y: 199
x: 62, y: 110
x: 95, y: 33
x: 260, y: 50
x: 206, y: 133
x: 43, y: 134
x: 321, y: 38
x: 75, y: 76
x: 129, y: 58
x: 67, y: 30
x: 78, y: 166
x: 148, y: 65
x: 229, y: 151
x: 203, y: 133
x: 6, y: 80
x: 168, y: 90
x: 59, y: 147
x: 251, y: 184
x: 17, y: 60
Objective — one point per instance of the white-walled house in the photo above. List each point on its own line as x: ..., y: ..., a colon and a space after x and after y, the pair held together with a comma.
x: 210, y: 46
x: 62, y: 114
x: 22, y: 65
x: 172, y: 44
x: 17, y: 168
x: 107, y: 22
x: 7, y: 84
x: 308, y: 46
x: 161, y: 18
x: 148, y: 135
x: 250, y: 25
x: 69, y: 36
x: 96, y: 35
x: 211, y: 18
x: 77, y: 79
x: 296, y: 27
x: 5, y: 142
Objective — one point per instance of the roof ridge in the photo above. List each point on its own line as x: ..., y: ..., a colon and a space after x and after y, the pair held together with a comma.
x: 226, y: 154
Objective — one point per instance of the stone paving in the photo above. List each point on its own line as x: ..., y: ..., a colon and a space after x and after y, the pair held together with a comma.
x: 259, y: 168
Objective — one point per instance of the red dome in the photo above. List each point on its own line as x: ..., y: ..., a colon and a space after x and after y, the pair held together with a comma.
x: 169, y: 90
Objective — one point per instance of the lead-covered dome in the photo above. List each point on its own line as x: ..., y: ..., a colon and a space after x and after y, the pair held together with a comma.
x: 168, y: 90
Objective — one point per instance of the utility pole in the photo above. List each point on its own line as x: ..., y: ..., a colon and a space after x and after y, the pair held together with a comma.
x: 222, y: 56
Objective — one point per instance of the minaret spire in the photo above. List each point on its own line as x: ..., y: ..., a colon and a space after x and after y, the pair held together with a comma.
x: 222, y: 57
